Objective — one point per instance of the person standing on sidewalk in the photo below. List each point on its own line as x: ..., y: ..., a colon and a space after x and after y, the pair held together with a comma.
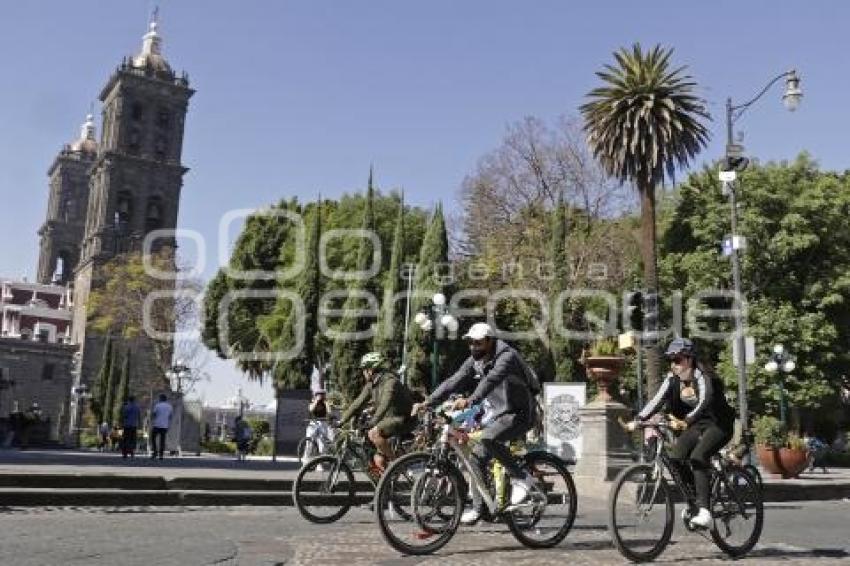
x: 160, y: 421
x: 130, y: 415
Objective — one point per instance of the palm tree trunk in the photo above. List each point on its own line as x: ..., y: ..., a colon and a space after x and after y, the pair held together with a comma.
x: 650, y: 281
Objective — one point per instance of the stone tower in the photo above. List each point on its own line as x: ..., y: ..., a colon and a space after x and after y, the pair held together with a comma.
x: 62, y: 232
x: 135, y: 179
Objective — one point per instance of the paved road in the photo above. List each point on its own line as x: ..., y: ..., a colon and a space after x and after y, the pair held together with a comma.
x: 805, y: 533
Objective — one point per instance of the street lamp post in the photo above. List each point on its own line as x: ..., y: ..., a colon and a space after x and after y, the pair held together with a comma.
x: 176, y: 375
x: 735, y: 161
x: 436, y: 319
x: 781, y: 362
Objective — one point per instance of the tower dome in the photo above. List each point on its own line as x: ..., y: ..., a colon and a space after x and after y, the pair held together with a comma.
x: 151, y: 56
x: 86, y: 142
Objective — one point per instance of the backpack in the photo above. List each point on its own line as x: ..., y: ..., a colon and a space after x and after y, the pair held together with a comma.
x: 536, y: 388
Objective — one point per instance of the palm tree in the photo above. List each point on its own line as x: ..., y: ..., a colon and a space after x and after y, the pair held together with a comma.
x: 641, y: 124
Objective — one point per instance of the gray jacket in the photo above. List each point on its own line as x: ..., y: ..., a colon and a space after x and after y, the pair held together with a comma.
x: 501, y: 381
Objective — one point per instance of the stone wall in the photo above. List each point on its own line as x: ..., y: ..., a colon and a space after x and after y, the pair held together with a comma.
x: 29, y: 365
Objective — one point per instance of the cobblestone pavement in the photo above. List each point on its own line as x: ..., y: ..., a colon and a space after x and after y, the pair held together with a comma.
x: 809, y: 533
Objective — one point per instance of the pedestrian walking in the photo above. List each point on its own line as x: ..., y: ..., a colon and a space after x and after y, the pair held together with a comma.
x: 130, y: 415
x: 160, y: 422
x: 103, y: 432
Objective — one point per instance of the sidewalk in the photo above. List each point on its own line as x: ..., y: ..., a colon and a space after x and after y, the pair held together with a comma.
x: 70, y: 477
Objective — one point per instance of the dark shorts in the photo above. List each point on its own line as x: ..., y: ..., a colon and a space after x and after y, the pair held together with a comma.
x: 395, y: 426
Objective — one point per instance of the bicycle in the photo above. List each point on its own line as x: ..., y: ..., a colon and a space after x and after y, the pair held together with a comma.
x: 643, y: 489
x: 319, y: 439
x: 741, y: 456
x: 325, y: 488
x: 429, y: 489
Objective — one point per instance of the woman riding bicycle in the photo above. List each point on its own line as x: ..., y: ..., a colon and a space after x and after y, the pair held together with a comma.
x: 697, y: 399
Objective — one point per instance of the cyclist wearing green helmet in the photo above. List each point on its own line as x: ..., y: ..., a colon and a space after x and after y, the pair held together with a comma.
x: 392, y: 402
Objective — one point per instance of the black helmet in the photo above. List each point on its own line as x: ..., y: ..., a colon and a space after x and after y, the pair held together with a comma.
x: 681, y: 347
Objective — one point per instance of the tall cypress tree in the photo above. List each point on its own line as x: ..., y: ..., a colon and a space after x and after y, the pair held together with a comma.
x: 347, y: 352
x: 123, y: 389
x: 561, y: 351
x: 102, y: 382
x: 280, y: 326
x: 390, y: 330
x: 427, y: 281
x: 110, y: 389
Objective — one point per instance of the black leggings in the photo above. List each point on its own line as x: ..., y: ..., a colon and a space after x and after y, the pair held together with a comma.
x: 697, y: 445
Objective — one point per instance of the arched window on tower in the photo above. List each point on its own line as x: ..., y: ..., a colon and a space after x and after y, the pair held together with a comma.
x: 63, y: 267
x: 137, y: 112
x: 153, y: 214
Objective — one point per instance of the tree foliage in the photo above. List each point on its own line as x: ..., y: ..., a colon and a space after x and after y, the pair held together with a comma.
x: 642, y: 123
x: 795, y: 272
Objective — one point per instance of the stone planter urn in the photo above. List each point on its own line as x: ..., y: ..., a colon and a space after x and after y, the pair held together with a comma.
x: 604, y: 370
x: 785, y: 462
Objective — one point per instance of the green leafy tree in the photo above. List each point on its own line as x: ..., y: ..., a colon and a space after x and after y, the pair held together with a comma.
x: 795, y: 273
x: 641, y: 124
x: 390, y: 328
x: 562, y: 352
x: 348, y: 349
x: 428, y: 280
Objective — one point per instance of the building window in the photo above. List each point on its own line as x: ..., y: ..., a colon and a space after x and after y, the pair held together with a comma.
x: 134, y: 139
x: 47, y: 371
x: 153, y: 214
x: 137, y: 112
x: 160, y: 147
x: 163, y: 118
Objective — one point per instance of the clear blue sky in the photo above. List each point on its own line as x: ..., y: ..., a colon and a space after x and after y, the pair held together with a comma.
x: 299, y: 97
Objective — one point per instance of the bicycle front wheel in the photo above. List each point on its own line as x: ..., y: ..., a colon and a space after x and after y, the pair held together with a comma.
x: 324, y: 489
x: 418, y: 504
x: 306, y: 449
x: 547, y: 520
x: 756, y: 475
x: 640, y: 513
x: 738, y: 513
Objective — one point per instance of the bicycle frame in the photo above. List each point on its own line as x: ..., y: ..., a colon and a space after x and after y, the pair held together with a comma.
x: 450, y: 440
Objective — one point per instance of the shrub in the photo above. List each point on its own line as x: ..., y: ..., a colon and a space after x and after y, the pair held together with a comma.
x: 216, y: 446
x: 264, y: 447
x: 769, y: 431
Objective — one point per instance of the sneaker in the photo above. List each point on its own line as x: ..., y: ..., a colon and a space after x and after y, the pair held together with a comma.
x: 471, y: 516
x: 702, y: 519
x: 521, y: 489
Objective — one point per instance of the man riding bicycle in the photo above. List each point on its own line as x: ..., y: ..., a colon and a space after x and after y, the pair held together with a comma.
x: 494, y: 373
x: 392, y: 402
x: 697, y: 402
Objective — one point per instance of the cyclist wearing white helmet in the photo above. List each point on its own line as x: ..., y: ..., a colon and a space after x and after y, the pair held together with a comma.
x: 494, y: 372
x: 697, y: 399
x: 392, y: 402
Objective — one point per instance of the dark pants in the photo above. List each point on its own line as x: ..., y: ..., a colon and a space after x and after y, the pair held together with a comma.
x: 492, y: 444
x: 158, y: 432
x: 128, y: 441
x: 696, y: 446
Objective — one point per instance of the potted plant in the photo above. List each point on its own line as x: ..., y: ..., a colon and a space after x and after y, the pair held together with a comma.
x: 604, y: 365
x: 779, y: 453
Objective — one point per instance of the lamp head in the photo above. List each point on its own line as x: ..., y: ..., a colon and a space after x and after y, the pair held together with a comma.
x: 793, y: 93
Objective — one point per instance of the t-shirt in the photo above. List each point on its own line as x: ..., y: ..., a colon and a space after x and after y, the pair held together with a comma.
x: 162, y: 415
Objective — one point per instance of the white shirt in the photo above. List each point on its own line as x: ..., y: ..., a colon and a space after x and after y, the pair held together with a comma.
x: 162, y: 415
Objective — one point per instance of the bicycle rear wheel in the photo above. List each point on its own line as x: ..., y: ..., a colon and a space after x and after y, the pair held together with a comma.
x: 324, y: 489
x: 545, y: 523
x: 418, y: 505
x: 738, y: 513
x: 640, y: 513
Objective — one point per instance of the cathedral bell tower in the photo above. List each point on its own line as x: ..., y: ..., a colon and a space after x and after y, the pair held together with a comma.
x: 136, y: 176
x: 62, y: 231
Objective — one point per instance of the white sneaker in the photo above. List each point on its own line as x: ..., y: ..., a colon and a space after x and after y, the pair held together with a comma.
x: 521, y: 490
x: 470, y: 516
x: 702, y: 519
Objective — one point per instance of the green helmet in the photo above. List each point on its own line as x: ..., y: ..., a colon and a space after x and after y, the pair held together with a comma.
x: 372, y: 360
